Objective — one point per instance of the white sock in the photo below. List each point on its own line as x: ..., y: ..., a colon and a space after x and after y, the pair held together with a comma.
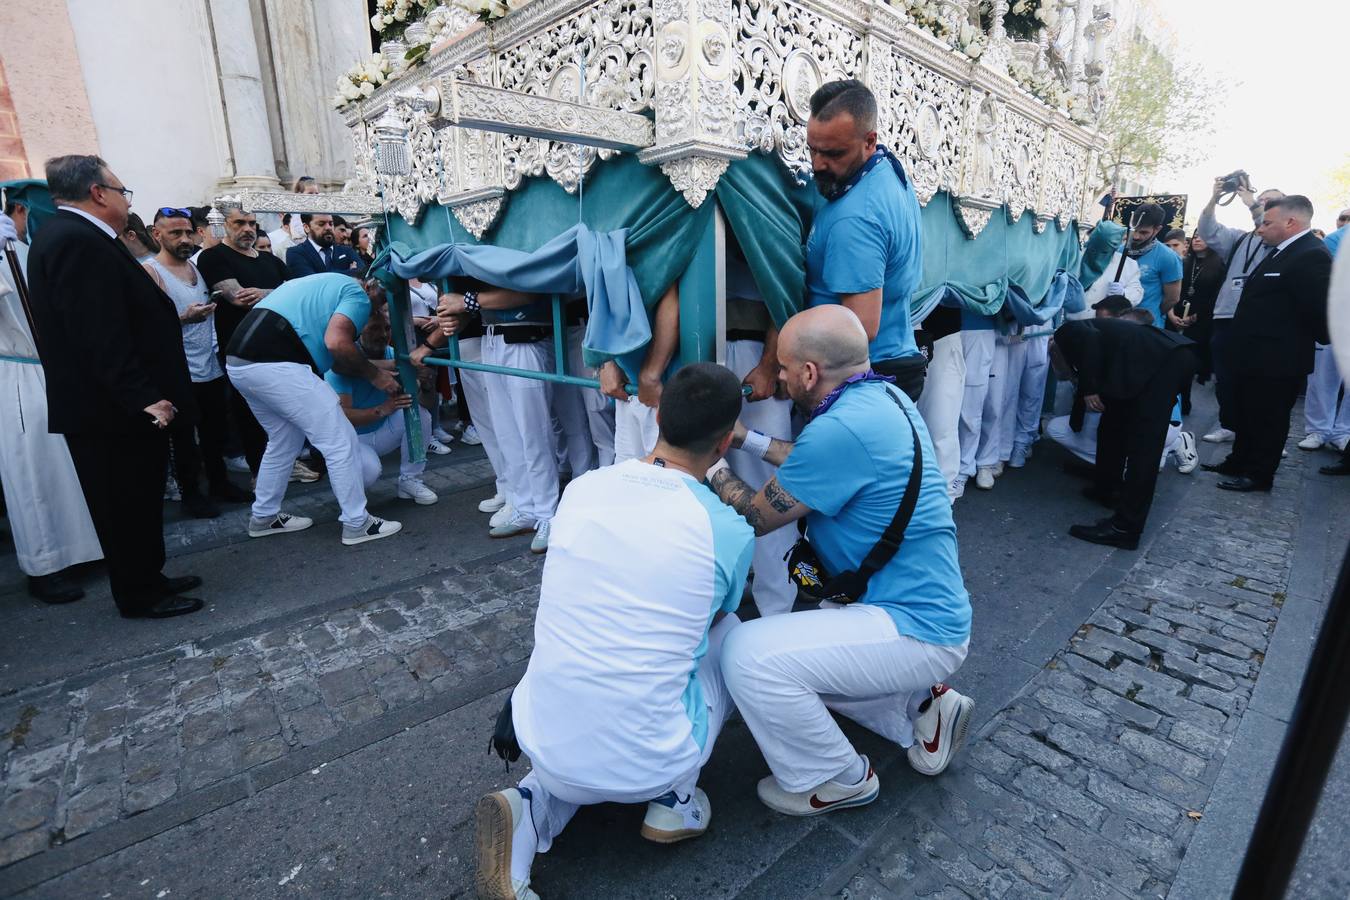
x: 855, y: 773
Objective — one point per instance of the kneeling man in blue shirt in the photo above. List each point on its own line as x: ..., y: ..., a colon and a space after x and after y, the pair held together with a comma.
x: 882, y: 660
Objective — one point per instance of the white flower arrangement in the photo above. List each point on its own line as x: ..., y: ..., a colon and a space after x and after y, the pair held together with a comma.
x: 393, y: 16
x: 361, y: 80
x: 971, y: 40
x: 488, y: 10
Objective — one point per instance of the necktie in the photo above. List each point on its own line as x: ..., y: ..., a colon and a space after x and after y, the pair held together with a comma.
x: 328, y: 257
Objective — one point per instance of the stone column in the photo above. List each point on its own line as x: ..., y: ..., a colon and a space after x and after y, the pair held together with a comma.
x: 241, y: 87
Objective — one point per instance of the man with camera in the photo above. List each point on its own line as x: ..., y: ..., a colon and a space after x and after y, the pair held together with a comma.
x: 895, y: 621
x: 1280, y: 315
x: 623, y: 698
x: 1244, y: 251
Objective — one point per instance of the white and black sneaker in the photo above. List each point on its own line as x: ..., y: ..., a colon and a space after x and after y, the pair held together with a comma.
x: 940, y: 730
x: 505, y: 841
x: 671, y: 818
x: 373, y: 529
x: 281, y: 523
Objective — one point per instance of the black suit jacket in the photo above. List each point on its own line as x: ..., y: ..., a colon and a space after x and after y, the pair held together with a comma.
x: 1115, y: 357
x: 302, y: 259
x: 110, y: 340
x: 1282, y: 311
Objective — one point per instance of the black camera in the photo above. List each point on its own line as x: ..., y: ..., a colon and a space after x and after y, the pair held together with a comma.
x: 1235, y: 182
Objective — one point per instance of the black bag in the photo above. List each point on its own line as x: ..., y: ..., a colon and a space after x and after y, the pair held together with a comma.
x: 504, y: 742
x: 807, y: 571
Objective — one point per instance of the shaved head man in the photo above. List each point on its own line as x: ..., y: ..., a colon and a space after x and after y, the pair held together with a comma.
x: 893, y: 629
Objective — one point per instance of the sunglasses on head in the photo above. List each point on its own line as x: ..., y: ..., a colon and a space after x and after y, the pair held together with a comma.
x: 175, y: 212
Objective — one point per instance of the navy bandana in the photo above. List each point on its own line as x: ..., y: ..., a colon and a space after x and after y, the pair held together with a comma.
x: 877, y: 156
x: 833, y: 395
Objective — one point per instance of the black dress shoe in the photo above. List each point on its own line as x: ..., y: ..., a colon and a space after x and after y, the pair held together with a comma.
x: 1340, y: 468
x: 180, y: 584
x: 54, y: 588
x: 1106, y: 534
x: 1243, y: 485
x: 230, y: 492
x: 1080, y: 470
x: 1106, y: 498
x: 166, y: 608
x: 1222, y: 468
x: 199, y: 507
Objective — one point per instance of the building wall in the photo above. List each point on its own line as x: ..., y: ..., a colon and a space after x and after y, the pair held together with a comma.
x: 13, y: 160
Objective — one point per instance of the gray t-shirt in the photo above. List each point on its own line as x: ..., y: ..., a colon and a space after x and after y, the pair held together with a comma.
x: 199, y: 338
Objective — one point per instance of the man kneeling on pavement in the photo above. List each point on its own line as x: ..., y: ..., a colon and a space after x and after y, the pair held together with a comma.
x: 880, y: 660
x: 623, y: 697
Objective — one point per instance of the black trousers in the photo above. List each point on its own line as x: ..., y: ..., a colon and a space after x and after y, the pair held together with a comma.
x: 908, y: 372
x: 1261, y: 421
x: 122, y: 476
x: 1130, y: 440
x: 1223, y: 372
x: 202, y: 446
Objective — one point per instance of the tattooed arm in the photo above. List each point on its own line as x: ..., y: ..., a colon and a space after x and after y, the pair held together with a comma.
x: 766, y: 511
x: 777, y: 453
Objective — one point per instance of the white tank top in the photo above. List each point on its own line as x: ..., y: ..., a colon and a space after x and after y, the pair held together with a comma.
x: 199, y: 338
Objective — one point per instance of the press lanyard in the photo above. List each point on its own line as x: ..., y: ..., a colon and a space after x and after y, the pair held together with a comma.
x: 1247, y: 261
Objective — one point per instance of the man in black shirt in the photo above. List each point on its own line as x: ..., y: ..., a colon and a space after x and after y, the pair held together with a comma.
x: 243, y: 275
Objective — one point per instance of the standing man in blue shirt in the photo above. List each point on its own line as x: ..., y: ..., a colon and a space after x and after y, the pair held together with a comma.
x: 277, y: 359
x: 880, y: 660
x: 1159, y: 267
x: 864, y: 250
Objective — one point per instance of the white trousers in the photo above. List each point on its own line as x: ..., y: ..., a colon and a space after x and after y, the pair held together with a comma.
x: 977, y: 347
x: 1083, y: 444
x: 940, y: 403
x: 786, y: 673
x: 774, y: 592
x: 291, y: 403
x: 995, y: 409
x: 384, y: 439
x: 554, y: 802
x: 1320, y: 407
x: 1024, y: 393
x: 599, y: 408
x: 635, y: 429
x: 576, y: 447
x: 480, y: 410
x: 523, y: 421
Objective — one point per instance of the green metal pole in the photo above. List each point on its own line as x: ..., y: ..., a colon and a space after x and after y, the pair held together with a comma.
x: 550, y: 377
x: 400, y: 327
x: 559, y: 338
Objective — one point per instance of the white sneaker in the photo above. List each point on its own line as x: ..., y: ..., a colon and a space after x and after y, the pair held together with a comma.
x: 281, y: 523
x: 413, y: 489
x: 1219, y: 435
x: 373, y: 529
x: 492, y: 504
x: 512, y: 527
x: 1312, y: 442
x: 998, y: 470
x: 984, y: 478
x: 957, y: 490
x: 826, y: 798
x: 303, y: 473
x: 1186, y: 454
x: 470, y: 436
x: 503, y: 828
x: 670, y: 819
x: 1020, y: 454
x: 236, y: 464
x: 539, y: 544
x: 503, y: 515
x: 1341, y: 443
x: 436, y: 447
x: 940, y: 730
x: 442, y: 435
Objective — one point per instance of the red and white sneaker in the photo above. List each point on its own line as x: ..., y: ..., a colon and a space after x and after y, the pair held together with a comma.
x: 940, y: 730
x: 825, y: 798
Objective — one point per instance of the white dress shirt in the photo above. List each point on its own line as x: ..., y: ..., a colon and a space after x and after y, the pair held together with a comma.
x: 1287, y: 241
x: 103, y: 226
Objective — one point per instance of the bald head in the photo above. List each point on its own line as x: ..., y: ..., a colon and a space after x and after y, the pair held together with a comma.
x: 829, y: 336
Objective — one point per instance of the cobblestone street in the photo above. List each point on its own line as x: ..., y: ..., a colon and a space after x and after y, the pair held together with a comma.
x: 335, y: 743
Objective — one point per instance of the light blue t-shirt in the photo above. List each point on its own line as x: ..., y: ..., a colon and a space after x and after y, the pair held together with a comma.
x: 364, y: 394
x: 1333, y: 240
x: 308, y: 303
x: 867, y: 239
x: 850, y: 465
x: 1159, y: 266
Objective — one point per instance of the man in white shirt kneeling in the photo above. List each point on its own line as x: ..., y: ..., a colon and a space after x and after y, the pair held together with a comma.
x: 624, y: 697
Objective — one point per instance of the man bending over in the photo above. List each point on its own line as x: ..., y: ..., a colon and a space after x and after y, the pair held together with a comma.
x: 624, y: 697
x: 880, y: 660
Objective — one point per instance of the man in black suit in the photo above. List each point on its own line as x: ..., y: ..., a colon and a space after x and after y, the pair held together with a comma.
x: 112, y: 348
x: 1283, y: 311
x: 320, y: 251
x: 1131, y: 374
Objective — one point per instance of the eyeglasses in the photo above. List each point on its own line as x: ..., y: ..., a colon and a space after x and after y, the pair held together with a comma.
x: 173, y: 212
x: 125, y: 192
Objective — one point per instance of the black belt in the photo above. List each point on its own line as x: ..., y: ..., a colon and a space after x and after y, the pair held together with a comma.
x: 745, y: 334
x: 521, y: 334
